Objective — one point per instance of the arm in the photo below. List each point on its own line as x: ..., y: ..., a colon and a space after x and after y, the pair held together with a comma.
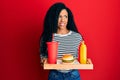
x: 43, y: 51
x: 80, y: 39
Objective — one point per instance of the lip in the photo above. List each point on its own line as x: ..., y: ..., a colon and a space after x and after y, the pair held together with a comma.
x: 62, y: 24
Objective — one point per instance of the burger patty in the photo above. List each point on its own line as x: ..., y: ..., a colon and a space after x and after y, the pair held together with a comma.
x: 68, y: 61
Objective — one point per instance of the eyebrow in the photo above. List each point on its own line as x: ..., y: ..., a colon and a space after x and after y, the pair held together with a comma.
x: 63, y: 15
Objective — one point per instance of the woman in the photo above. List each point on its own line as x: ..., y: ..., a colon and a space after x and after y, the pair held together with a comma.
x: 59, y: 21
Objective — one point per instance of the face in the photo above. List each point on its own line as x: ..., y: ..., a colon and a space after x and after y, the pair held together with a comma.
x: 63, y: 19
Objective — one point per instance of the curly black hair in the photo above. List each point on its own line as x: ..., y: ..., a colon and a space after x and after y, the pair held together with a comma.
x: 50, y: 24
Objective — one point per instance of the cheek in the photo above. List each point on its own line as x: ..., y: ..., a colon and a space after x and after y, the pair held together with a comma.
x: 58, y: 21
x: 67, y: 21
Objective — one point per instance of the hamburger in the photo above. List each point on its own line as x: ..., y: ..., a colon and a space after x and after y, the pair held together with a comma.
x: 68, y: 59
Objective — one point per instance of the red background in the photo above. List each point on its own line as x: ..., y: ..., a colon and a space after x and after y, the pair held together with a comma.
x: 22, y: 24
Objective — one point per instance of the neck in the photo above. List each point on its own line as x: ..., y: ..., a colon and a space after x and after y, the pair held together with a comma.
x: 65, y: 31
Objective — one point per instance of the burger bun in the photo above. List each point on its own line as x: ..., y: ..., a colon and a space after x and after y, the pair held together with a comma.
x: 68, y: 59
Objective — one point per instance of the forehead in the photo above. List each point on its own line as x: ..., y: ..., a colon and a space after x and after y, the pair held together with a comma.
x: 63, y: 11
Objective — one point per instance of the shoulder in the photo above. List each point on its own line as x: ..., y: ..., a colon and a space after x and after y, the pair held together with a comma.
x: 76, y: 34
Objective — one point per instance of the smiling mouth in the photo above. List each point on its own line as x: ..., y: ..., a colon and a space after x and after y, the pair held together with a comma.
x: 62, y: 24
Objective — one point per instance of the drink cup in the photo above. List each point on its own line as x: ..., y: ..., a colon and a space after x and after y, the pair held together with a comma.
x: 52, y: 52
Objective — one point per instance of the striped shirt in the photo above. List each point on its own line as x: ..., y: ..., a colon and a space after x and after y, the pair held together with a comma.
x: 68, y: 43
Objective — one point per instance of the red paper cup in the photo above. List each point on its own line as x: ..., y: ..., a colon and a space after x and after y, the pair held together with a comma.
x: 52, y: 52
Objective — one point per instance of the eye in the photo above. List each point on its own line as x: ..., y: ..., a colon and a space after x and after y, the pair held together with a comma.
x: 60, y: 16
x: 65, y: 16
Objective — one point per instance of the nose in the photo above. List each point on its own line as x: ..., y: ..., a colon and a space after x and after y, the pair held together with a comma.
x: 62, y: 19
